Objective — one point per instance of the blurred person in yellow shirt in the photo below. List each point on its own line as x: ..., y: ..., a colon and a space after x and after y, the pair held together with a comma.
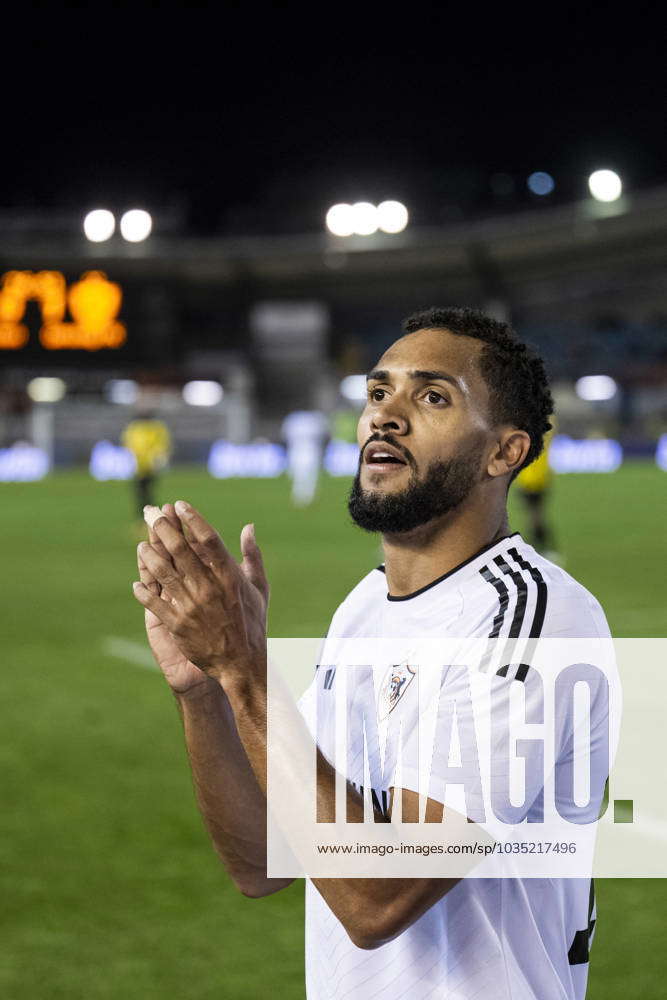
x: 149, y: 440
x: 533, y: 484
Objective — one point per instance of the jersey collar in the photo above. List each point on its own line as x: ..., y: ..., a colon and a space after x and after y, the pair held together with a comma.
x: 451, y: 572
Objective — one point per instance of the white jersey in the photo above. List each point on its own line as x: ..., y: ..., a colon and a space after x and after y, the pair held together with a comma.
x: 486, y: 939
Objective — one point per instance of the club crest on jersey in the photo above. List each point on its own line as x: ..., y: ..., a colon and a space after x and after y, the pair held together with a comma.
x: 395, y: 687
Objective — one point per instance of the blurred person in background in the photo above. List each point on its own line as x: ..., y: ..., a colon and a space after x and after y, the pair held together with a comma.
x: 149, y: 440
x: 533, y: 484
x: 305, y: 433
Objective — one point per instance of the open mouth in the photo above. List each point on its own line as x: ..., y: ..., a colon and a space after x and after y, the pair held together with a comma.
x: 383, y: 459
x: 380, y: 456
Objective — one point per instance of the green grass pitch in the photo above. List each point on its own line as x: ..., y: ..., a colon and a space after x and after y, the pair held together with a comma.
x: 108, y: 885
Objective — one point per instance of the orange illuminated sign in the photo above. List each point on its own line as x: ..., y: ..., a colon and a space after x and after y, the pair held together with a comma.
x: 93, y: 303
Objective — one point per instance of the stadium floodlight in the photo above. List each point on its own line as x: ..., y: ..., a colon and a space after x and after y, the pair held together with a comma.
x: 365, y: 218
x: 99, y: 225
x: 340, y: 220
x: 541, y: 183
x: 202, y: 393
x: 124, y: 391
x: 136, y: 225
x: 392, y: 216
x: 46, y: 390
x: 596, y: 388
x: 353, y: 387
x: 605, y: 185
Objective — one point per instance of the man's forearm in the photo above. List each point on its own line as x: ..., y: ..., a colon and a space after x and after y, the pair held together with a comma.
x: 372, y: 910
x: 228, y: 795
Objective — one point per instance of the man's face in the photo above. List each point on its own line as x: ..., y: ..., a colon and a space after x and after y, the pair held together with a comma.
x: 423, y: 433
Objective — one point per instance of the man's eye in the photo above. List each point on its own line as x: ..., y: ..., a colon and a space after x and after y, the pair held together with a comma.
x: 435, y: 397
x: 376, y: 395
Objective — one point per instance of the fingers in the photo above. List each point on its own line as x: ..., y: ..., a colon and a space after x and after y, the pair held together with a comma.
x: 154, y: 587
x: 185, y: 549
x: 205, y: 539
x: 174, y: 546
x: 170, y: 514
x: 150, y: 516
x: 168, y: 509
x: 253, y: 564
x: 165, y: 573
x: 146, y: 576
x: 163, y: 612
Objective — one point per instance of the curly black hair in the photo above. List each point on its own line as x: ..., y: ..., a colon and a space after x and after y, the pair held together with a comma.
x: 515, y: 375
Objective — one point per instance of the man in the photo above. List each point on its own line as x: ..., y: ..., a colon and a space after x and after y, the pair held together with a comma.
x: 455, y: 408
x: 149, y: 440
x: 534, y: 484
x: 305, y: 432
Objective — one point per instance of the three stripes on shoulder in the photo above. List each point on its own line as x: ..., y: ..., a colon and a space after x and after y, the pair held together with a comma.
x: 525, y: 598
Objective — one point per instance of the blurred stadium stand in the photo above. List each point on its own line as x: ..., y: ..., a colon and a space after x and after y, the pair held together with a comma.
x: 278, y: 320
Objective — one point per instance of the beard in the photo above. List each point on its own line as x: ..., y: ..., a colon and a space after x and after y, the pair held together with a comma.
x: 444, y: 487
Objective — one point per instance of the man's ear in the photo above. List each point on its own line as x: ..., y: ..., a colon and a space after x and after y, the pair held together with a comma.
x: 509, y: 452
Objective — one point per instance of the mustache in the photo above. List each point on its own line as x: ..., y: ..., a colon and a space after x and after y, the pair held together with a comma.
x: 388, y: 439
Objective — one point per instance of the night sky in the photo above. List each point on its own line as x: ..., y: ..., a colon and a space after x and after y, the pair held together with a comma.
x: 258, y: 122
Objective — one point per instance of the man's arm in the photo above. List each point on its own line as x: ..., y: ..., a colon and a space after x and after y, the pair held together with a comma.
x: 229, y: 798
x: 215, y: 619
x: 372, y: 910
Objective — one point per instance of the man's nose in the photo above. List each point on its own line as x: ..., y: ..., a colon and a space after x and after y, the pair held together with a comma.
x: 389, y: 417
